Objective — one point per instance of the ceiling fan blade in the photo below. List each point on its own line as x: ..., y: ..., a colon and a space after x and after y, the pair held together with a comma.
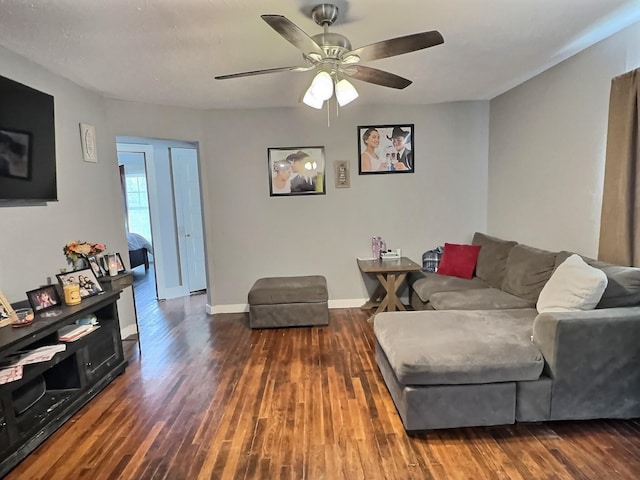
x: 398, y: 46
x: 292, y: 33
x: 378, y: 77
x: 262, y: 72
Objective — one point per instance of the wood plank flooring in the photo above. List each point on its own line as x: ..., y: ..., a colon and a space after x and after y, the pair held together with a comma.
x: 211, y: 399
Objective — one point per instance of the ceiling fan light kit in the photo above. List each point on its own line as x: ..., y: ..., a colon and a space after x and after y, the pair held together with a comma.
x: 331, y: 55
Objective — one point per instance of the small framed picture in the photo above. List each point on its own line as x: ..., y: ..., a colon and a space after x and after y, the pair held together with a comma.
x: 85, y: 278
x: 7, y: 315
x: 120, y: 263
x: 95, y: 266
x: 385, y: 149
x: 43, y: 298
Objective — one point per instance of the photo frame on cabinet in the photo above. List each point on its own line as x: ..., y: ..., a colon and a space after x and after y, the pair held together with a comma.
x: 85, y: 278
x: 95, y: 265
x: 44, y: 298
x: 7, y: 314
x: 385, y: 149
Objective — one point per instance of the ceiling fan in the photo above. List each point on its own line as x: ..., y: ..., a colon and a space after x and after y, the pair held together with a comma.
x: 332, y: 56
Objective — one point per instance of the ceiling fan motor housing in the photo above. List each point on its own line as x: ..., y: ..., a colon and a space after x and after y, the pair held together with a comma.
x: 333, y: 45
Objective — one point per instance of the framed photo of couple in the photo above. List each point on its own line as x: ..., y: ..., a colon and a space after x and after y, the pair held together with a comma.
x: 296, y: 171
x: 385, y: 149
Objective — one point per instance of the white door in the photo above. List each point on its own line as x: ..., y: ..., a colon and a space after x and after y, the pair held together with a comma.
x: 186, y: 191
x: 176, y: 216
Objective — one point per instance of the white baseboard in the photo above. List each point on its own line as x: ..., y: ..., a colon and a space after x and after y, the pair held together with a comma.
x: 241, y: 308
x: 128, y: 331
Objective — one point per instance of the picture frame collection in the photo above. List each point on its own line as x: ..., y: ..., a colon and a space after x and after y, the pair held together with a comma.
x: 300, y: 171
x: 45, y: 299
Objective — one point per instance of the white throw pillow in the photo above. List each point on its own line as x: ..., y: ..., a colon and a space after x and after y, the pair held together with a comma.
x: 573, y: 286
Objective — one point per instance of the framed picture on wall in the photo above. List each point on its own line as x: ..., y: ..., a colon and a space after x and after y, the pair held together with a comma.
x: 296, y: 171
x: 385, y: 149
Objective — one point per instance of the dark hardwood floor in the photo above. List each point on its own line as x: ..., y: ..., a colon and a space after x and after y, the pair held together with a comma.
x: 211, y: 399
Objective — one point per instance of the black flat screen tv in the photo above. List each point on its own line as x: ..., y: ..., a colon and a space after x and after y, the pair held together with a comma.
x: 27, y: 144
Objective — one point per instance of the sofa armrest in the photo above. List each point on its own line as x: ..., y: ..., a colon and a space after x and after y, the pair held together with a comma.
x: 593, y: 358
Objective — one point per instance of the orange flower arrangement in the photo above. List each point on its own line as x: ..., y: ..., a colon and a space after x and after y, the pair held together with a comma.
x: 74, y: 249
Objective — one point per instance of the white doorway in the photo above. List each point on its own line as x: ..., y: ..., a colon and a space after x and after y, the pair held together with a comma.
x: 175, y: 211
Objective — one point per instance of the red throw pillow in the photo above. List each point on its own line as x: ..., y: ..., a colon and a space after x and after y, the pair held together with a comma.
x: 459, y: 260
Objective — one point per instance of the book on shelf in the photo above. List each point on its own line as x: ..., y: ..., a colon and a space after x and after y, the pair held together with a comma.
x: 71, y: 333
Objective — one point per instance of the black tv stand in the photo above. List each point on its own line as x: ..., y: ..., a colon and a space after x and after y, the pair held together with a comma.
x: 49, y: 393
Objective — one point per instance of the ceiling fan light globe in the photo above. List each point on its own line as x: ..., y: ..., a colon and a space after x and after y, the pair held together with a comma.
x: 310, y: 100
x: 345, y: 92
x: 322, y: 86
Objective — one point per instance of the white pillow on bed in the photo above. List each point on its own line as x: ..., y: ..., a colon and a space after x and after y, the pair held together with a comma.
x: 574, y: 285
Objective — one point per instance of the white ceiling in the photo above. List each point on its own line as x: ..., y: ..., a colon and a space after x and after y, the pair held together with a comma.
x: 168, y: 51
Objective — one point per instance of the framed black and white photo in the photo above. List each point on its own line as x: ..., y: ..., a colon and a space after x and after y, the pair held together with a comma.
x: 296, y: 171
x: 15, y: 153
x: 95, y: 266
x: 43, y: 298
x: 385, y: 149
x: 85, y: 279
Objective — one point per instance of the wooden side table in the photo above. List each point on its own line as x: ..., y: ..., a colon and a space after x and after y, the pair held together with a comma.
x: 390, y: 275
x: 120, y: 282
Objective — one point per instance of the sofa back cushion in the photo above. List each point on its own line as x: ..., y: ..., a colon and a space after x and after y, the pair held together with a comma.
x: 623, y: 287
x: 528, y: 270
x: 574, y: 285
x: 492, y: 259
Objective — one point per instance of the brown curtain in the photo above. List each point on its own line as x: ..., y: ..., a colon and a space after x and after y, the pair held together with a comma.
x: 620, y: 218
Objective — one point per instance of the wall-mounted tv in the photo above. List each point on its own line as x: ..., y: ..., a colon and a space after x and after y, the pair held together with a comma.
x: 27, y: 144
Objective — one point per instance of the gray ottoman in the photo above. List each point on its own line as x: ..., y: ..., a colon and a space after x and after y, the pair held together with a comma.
x: 288, y: 302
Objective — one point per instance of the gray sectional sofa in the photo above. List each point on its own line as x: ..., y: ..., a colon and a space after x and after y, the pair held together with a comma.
x: 477, y: 352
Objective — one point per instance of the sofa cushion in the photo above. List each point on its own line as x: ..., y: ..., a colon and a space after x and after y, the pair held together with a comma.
x: 477, y: 299
x: 430, y: 283
x: 458, y: 260
x: 492, y: 260
x: 623, y: 283
x: 528, y: 270
x: 459, y: 347
x: 574, y: 285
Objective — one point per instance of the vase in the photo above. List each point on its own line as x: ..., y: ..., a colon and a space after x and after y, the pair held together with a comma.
x: 79, y: 263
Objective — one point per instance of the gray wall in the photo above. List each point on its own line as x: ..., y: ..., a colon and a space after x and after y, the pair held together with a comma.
x: 547, y: 149
x: 89, y: 206
x: 251, y: 235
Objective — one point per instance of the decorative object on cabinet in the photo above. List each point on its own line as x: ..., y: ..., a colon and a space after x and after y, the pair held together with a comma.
x: 7, y: 315
x: 44, y: 298
x: 79, y: 249
x: 93, y: 262
x: 85, y: 279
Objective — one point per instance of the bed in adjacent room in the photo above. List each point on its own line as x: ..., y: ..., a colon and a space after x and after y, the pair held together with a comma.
x: 139, y: 250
